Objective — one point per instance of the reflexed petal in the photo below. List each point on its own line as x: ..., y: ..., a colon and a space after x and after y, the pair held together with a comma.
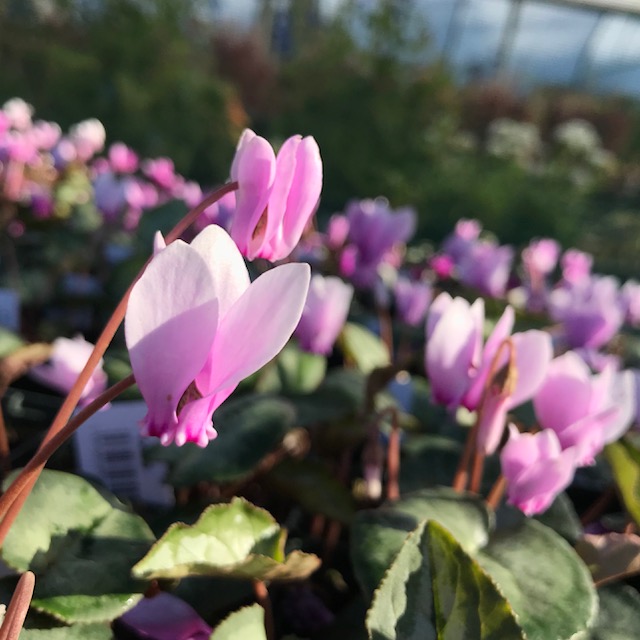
x: 271, y: 234
x: 501, y: 331
x: 534, y: 352
x: 623, y: 398
x: 450, y: 352
x: 257, y: 326
x: 226, y: 265
x: 254, y: 171
x: 169, y: 328
x: 437, y: 309
x: 303, y: 196
x: 568, y: 377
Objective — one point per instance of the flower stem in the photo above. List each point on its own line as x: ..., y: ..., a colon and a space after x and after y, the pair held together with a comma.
x: 477, y: 467
x: 496, y: 493
x: 393, y: 458
x: 13, y: 499
x: 18, y: 607
x: 462, y: 472
x: 262, y: 596
x: 8, y: 509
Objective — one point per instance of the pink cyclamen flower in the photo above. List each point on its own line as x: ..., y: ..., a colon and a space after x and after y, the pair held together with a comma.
x: 195, y: 327
x: 576, y: 265
x: 458, y: 364
x: 324, y: 314
x: 412, y: 300
x: 486, y: 267
x: 536, y: 468
x: 276, y: 196
x: 540, y: 258
x: 122, y: 158
x: 525, y: 374
x: 337, y: 231
x: 462, y: 239
x: 586, y: 411
x: 591, y: 311
x: 67, y: 360
x: 375, y: 232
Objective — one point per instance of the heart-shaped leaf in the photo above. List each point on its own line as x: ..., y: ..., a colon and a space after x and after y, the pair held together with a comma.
x: 546, y: 584
x: 434, y: 590
x: 247, y: 622
x: 378, y: 534
x: 81, y: 544
x: 237, y: 540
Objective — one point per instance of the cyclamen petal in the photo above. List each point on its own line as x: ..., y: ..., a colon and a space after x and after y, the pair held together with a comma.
x: 536, y: 469
x: 276, y: 194
x: 169, y: 328
x: 257, y: 327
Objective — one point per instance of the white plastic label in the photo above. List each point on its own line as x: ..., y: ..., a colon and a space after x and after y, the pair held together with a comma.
x: 109, y: 447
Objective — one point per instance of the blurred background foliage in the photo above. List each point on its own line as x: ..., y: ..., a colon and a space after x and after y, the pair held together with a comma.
x: 169, y: 82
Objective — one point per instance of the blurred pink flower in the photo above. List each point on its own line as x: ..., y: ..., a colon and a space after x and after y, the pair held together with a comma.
x: 65, y: 365
x: 122, y: 158
x: 586, y: 411
x: 576, y: 265
x: 412, y: 300
x: 536, y: 469
x: 324, y: 314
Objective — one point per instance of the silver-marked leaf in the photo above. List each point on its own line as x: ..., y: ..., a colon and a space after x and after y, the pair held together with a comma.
x: 245, y: 624
x: 379, y: 533
x: 236, y: 540
x: 81, y: 544
x: 434, y: 590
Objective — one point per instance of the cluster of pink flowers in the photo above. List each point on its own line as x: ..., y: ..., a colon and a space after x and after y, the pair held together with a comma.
x: 36, y: 158
x: 196, y: 325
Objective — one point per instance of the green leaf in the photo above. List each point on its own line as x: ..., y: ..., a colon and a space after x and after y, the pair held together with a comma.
x: 314, y: 488
x: 618, y: 615
x: 434, y: 589
x: 81, y: 544
x: 248, y: 427
x: 561, y: 516
x: 545, y: 582
x: 300, y: 372
x: 341, y: 395
x: 379, y: 533
x: 247, y: 623
x: 9, y: 342
x: 363, y: 347
x: 75, y: 632
x: 237, y: 540
x: 624, y: 459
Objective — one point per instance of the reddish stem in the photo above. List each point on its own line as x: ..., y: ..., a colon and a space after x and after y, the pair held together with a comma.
x: 18, y: 607
x: 8, y: 509
x: 496, y: 493
x: 393, y: 459
x: 262, y: 596
x: 21, y: 486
